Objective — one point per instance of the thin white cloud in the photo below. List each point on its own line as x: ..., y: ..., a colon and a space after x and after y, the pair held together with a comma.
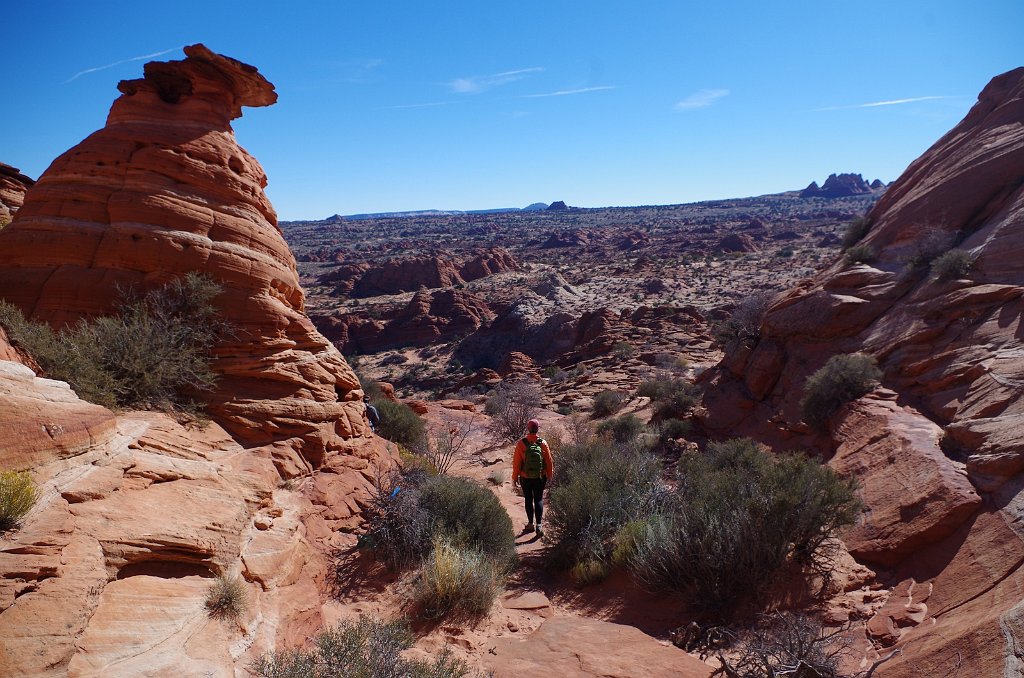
x: 427, y: 105
x: 478, y: 83
x: 891, y: 102
x: 701, y: 99
x: 118, y: 63
x: 564, y: 92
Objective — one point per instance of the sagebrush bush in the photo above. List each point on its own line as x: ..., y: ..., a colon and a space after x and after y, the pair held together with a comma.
x: 470, y: 516
x: 455, y: 580
x: 512, y: 404
x: 622, y: 429
x: 855, y: 232
x: 736, y: 518
x: 156, y: 352
x: 860, y: 254
x: 226, y: 598
x: 842, y: 379
x: 407, y: 512
x: 608, y: 402
x: 358, y: 648
x: 17, y: 497
x: 673, y: 429
x: 597, y: 488
x: 952, y: 265
x: 399, y: 424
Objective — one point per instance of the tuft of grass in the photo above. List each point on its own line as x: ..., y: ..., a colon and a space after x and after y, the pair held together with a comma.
x: 358, y: 648
x: 455, y: 580
x: 588, y: 572
x: 226, y: 598
x: 18, y: 495
x: 842, y: 379
x: 497, y: 477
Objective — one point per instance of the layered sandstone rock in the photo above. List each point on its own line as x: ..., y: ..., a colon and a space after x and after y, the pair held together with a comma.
x: 13, y: 186
x: 164, y: 189
x: 940, y: 476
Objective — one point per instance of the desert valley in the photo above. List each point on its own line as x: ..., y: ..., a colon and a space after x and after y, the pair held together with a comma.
x: 787, y: 430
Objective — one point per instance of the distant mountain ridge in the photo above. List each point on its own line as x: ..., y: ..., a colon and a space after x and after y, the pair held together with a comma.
x: 532, y: 207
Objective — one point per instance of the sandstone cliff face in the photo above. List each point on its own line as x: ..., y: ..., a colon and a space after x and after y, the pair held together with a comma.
x: 13, y: 185
x: 164, y: 189
x: 940, y: 464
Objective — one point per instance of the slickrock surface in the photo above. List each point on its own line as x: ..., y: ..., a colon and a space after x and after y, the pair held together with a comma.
x: 164, y: 189
x: 952, y: 351
x: 13, y: 185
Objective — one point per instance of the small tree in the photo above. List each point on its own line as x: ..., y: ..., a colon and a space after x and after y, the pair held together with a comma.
x: 511, y: 407
x: 448, y: 442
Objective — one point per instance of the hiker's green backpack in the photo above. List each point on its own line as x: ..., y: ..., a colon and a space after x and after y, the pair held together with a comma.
x: 533, y: 459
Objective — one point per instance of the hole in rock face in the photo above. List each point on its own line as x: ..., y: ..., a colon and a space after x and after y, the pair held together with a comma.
x: 165, y: 569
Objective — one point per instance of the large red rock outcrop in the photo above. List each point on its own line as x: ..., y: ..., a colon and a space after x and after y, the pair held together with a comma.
x: 952, y: 351
x: 164, y: 189
x: 13, y: 185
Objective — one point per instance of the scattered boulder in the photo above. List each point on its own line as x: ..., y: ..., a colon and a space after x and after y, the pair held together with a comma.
x: 736, y: 242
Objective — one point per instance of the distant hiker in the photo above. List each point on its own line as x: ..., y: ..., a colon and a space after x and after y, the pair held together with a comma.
x: 372, y: 415
x: 531, y: 469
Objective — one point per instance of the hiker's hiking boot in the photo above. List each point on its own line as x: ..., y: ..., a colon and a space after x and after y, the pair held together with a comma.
x: 528, y: 529
x: 540, y: 532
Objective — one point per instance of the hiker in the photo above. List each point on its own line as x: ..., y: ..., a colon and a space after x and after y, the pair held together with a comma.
x: 531, y: 470
x: 372, y: 415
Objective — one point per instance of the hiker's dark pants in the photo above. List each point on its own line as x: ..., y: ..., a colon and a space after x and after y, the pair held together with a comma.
x: 533, y: 494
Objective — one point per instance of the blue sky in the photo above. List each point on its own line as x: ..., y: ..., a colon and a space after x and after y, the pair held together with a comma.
x: 468, y: 105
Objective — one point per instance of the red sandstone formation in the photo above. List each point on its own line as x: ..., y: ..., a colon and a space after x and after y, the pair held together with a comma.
x: 13, y: 185
x: 414, y: 273
x: 164, y: 189
x: 941, y: 467
x: 736, y: 242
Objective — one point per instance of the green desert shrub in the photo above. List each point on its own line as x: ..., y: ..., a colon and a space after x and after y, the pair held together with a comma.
x: 588, y: 572
x: 455, y: 581
x: 470, y: 516
x: 672, y: 429
x: 608, y: 402
x: 737, y: 517
x: 623, y: 350
x: 842, y: 379
x: 598, y: 487
x: 855, y: 232
x: 860, y: 254
x: 408, y: 512
x: 399, y: 424
x: 672, y: 397
x: 156, y: 352
x: 358, y: 648
x: 17, y: 497
x: 622, y: 429
x: 952, y: 265
x: 226, y: 598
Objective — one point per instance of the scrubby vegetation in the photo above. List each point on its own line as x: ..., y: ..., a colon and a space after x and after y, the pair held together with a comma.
x: 842, y: 379
x: 157, y: 352
x: 608, y: 402
x: 598, y: 487
x: 738, y: 516
x: 226, y: 598
x: 744, y: 323
x: 673, y: 397
x: 510, y: 406
x: 951, y: 265
x: 455, y: 531
x: 860, y: 254
x: 359, y: 648
x: 622, y: 429
x: 455, y: 580
x: 17, y: 497
x: 855, y: 232
x: 932, y: 243
x: 785, y: 644
x: 399, y: 424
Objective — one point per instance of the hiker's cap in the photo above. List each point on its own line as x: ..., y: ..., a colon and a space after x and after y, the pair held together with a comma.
x: 533, y: 426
